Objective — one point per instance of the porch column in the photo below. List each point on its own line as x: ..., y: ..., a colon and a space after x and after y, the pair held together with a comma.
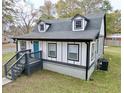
x: 87, y: 59
x: 16, y: 45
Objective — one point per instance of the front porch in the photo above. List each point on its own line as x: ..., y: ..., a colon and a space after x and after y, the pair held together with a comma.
x: 23, y: 61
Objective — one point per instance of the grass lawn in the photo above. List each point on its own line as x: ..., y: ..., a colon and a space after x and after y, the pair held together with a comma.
x: 50, y: 82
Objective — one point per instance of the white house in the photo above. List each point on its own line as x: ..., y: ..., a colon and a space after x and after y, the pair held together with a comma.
x: 69, y: 46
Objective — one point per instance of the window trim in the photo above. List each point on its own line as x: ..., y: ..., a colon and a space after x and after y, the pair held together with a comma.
x: 68, y: 53
x: 82, y: 27
x: 48, y: 50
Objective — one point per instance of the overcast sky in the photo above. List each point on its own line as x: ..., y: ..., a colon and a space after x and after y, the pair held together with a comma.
x: 116, y: 4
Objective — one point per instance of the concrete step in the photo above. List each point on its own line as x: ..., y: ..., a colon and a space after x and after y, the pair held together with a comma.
x: 5, y: 81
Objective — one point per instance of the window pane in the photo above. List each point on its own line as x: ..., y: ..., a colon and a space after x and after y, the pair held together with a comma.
x: 73, y: 56
x: 78, y: 23
x: 23, y: 45
x: 52, y: 47
x: 73, y: 48
x: 52, y: 50
x: 41, y: 27
x: 73, y: 52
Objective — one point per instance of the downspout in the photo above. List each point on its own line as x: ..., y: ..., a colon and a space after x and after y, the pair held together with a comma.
x: 87, y: 59
x: 104, y: 32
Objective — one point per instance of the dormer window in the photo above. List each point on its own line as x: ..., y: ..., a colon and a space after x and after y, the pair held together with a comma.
x: 78, y: 24
x: 43, y: 26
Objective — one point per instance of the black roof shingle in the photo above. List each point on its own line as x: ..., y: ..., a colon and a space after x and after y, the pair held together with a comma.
x: 62, y: 29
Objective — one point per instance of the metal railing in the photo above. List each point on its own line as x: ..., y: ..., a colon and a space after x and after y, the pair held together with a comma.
x: 13, y: 60
x: 13, y: 74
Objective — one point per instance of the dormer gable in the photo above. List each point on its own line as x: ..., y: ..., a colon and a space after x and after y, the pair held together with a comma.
x: 43, y: 26
x: 79, y: 23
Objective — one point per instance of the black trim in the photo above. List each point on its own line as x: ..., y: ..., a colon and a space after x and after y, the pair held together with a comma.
x: 87, y: 59
x: 63, y: 63
x: 105, y: 26
x: 16, y: 45
x: 48, y: 50
x: 62, y: 40
x: 68, y: 52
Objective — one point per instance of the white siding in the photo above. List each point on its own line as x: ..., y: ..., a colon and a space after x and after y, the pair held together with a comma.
x: 102, y: 28
x: 44, y: 51
x: 84, y: 54
x: 28, y: 45
x: 64, y: 52
x: 101, y: 45
x: 59, y: 52
x: 90, y: 71
x: 19, y: 46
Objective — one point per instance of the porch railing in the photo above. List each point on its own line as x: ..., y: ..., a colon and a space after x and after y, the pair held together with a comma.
x: 22, y: 56
x: 8, y: 64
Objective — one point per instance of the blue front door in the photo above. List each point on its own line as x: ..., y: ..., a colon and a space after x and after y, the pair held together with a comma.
x: 36, y: 48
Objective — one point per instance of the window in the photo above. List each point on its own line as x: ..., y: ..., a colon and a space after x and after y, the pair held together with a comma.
x: 22, y: 45
x: 73, y: 52
x: 93, y: 51
x: 41, y: 27
x: 52, y: 50
x: 78, y: 24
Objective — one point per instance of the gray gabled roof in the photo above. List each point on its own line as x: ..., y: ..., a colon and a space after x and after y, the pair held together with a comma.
x: 61, y: 29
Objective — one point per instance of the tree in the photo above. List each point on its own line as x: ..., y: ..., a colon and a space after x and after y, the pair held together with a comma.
x: 88, y: 6
x: 7, y: 13
x: 46, y: 10
x: 106, y: 6
x: 113, y: 22
x: 68, y: 8
x: 7, y: 10
x: 24, y: 16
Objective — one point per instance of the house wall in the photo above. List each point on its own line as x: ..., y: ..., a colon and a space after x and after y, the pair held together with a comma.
x: 62, y: 52
x: 78, y: 72
x: 65, y: 69
x: 100, y: 48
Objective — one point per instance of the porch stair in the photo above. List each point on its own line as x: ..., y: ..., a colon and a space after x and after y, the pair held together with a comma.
x: 15, y: 66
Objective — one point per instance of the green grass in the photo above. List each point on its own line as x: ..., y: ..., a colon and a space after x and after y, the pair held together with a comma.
x: 50, y: 82
x: 7, y: 56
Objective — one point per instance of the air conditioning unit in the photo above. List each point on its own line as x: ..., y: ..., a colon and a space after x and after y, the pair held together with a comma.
x: 102, y: 64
